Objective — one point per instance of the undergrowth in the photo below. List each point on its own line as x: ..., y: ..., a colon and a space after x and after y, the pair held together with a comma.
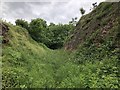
x: 27, y: 64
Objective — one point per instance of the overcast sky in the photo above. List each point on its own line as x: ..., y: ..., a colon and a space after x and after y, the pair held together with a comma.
x: 56, y: 11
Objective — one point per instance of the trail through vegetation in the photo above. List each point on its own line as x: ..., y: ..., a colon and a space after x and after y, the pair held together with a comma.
x: 27, y: 64
x: 89, y: 59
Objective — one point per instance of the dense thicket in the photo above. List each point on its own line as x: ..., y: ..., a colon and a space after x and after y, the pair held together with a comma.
x: 53, y: 36
x: 28, y: 64
x: 22, y: 23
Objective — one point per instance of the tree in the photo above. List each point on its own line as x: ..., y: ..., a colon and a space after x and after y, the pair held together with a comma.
x: 76, y: 18
x: 22, y: 23
x: 37, y: 29
x: 57, y: 35
x: 73, y: 21
x: 82, y: 11
x: 53, y: 36
x: 52, y: 24
x: 94, y: 5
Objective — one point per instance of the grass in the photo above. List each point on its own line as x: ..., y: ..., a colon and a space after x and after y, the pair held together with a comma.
x: 25, y: 58
x: 29, y: 64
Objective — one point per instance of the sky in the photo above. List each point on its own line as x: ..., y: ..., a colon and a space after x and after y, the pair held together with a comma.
x: 56, y: 11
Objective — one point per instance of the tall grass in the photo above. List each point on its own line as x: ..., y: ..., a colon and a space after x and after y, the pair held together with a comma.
x: 27, y: 64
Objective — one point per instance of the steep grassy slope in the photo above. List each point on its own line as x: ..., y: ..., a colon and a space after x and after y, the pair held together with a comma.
x: 97, y: 27
x: 18, y: 53
x: 96, y: 39
x: 27, y: 63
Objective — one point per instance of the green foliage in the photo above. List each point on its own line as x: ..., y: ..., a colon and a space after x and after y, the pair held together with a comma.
x: 37, y: 29
x: 22, y: 23
x: 82, y: 11
x: 53, y: 36
x: 15, y: 77
x: 106, y: 8
x: 94, y: 5
x: 118, y: 29
x: 73, y: 21
x: 34, y: 66
x: 1, y: 38
x: 57, y: 35
x: 101, y: 67
x: 29, y: 64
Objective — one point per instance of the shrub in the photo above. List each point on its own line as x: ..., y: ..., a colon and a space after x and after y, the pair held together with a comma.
x: 82, y: 11
x: 22, y: 23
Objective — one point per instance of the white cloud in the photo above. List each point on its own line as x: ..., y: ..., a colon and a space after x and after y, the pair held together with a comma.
x: 50, y: 10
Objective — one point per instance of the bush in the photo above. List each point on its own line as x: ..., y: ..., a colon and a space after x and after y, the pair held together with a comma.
x: 22, y: 23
